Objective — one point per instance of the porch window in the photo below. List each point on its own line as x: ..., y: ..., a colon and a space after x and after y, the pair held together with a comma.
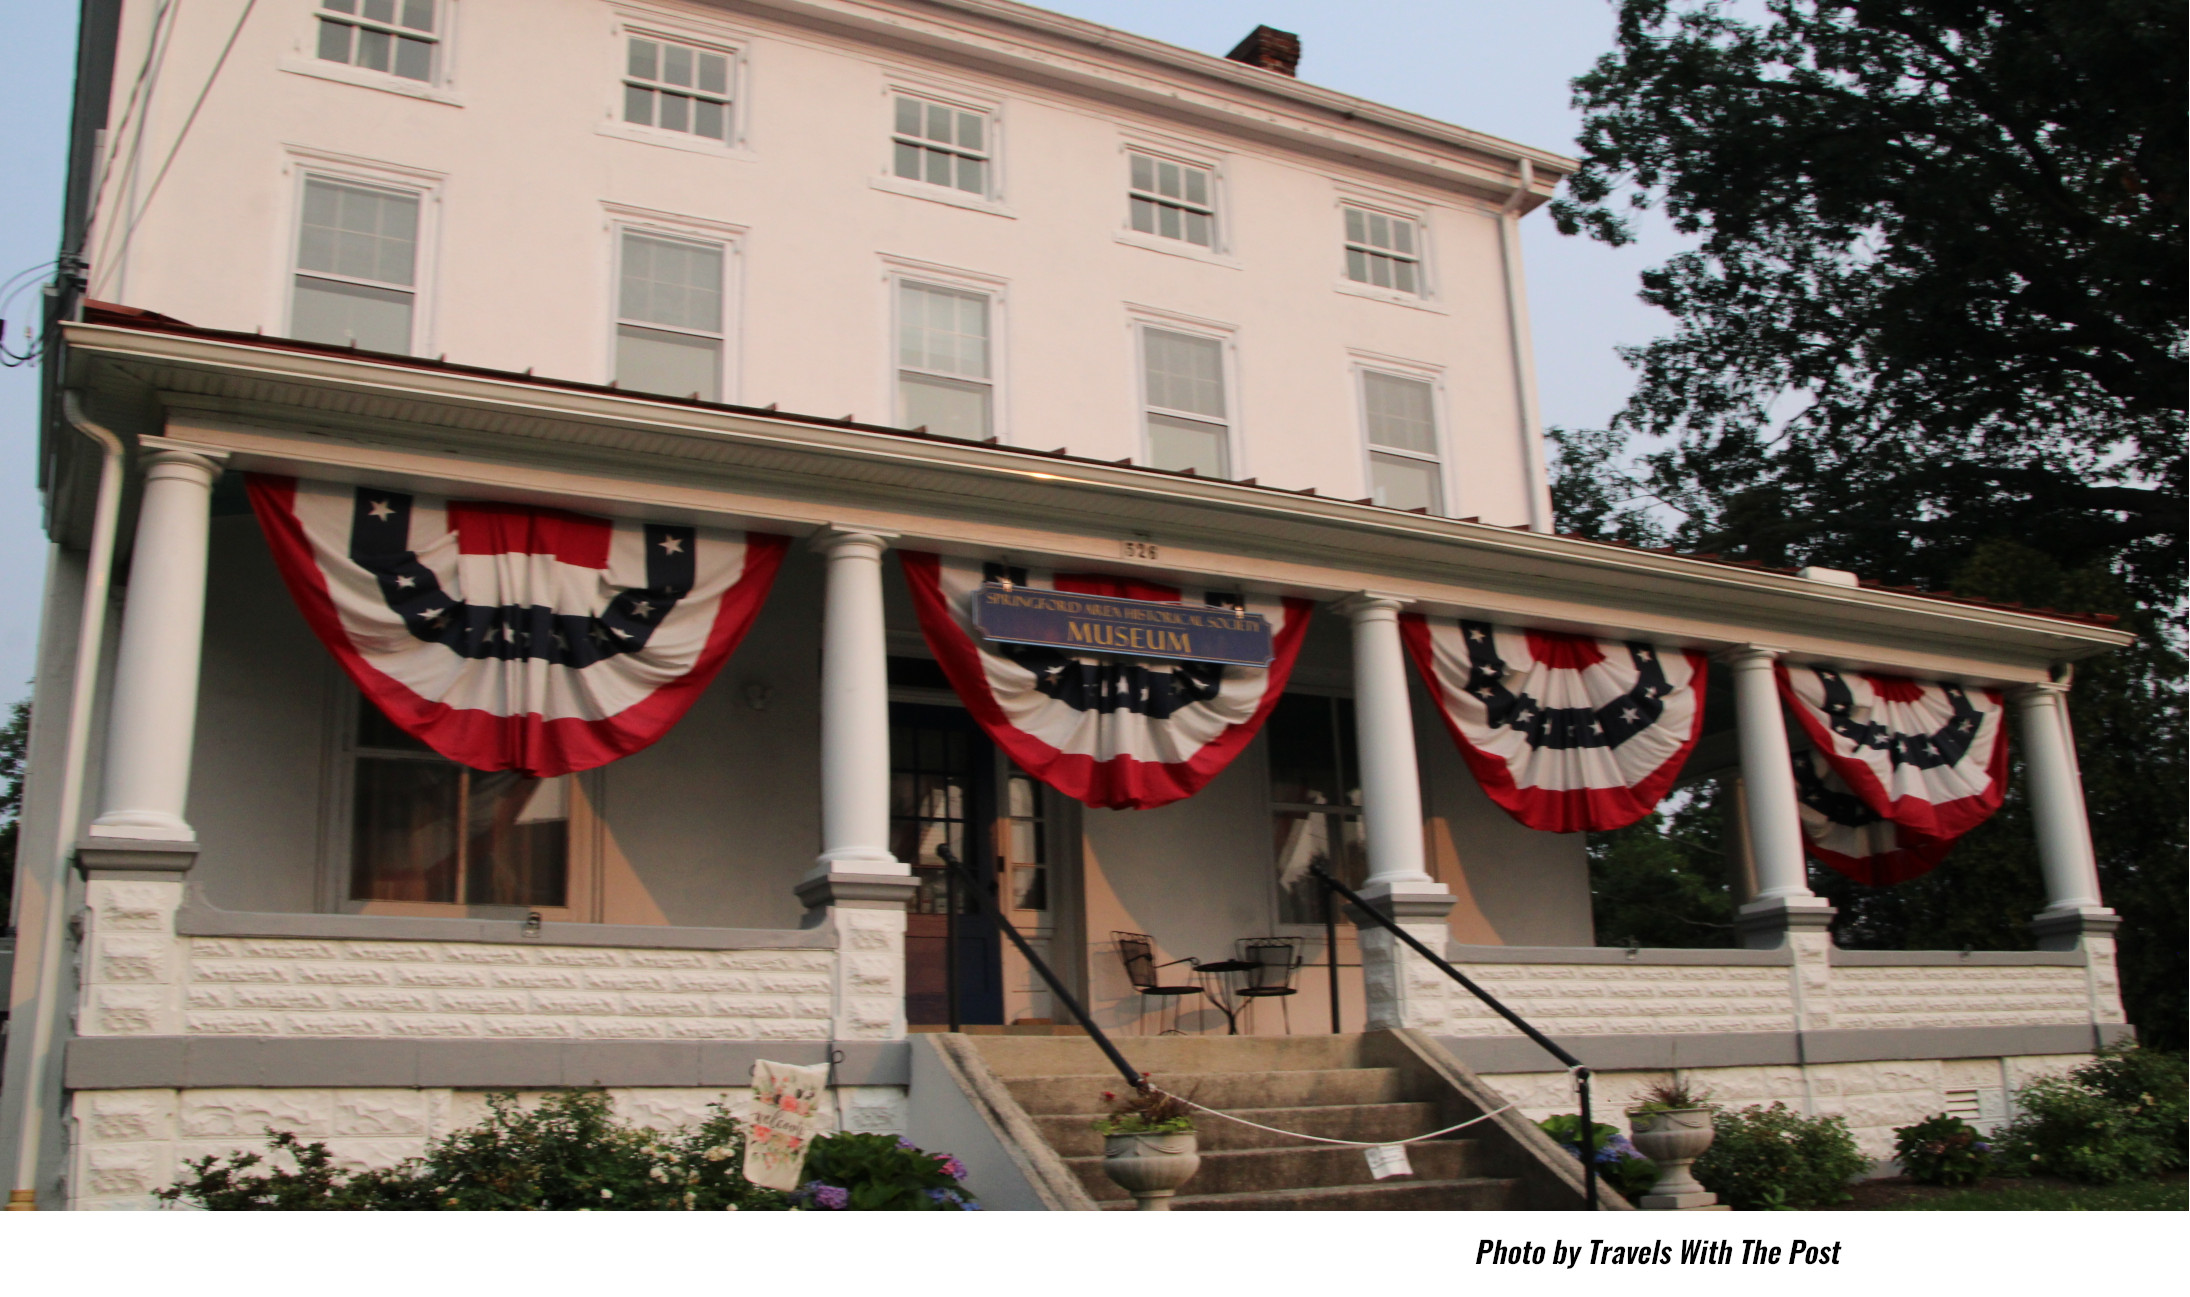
x: 396, y: 36
x: 357, y: 266
x: 1315, y: 800
x: 1026, y: 848
x: 669, y: 316
x: 1188, y: 423
x: 427, y: 830
x: 943, y: 361
x: 1404, y: 470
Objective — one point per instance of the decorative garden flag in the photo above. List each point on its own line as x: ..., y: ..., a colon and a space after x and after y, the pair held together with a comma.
x: 512, y: 637
x: 1847, y: 836
x: 780, y: 1126
x: 1566, y: 733
x: 1113, y: 729
x: 1929, y: 756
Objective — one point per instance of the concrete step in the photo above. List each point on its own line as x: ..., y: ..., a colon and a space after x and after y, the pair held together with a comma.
x: 1264, y: 1170
x: 1473, y: 1194
x: 1282, y: 1089
x: 1073, y: 1134
x: 1017, y: 1055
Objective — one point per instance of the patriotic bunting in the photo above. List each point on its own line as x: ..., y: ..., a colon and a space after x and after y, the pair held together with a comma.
x: 1566, y: 733
x: 1928, y: 756
x: 508, y: 637
x: 1845, y: 835
x: 1112, y: 731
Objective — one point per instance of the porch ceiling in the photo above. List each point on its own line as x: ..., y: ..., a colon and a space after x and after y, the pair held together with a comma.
x: 283, y: 406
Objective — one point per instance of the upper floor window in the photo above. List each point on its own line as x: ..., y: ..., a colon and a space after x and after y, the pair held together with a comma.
x: 356, y: 267
x: 1384, y: 251
x: 669, y: 316
x: 1188, y: 420
x: 944, y: 366
x: 677, y: 87
x: 940, y: 144
x: 1174, y: 200
x: 1401, y: 420
x: 395, y: 36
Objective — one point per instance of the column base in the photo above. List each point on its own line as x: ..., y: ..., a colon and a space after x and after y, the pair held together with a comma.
x: 1766, y: 924
x: 1407, y: 902
x: 2066, y: 929
x: 141, y: 826
x: 860, y: 891
x: 134, y: 860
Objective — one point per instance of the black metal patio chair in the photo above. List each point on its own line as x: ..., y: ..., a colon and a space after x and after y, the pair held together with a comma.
x: 1137, y: 950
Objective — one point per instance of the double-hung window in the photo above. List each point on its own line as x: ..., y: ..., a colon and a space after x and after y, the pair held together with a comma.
x: 677, y: 87
x: 1400, y: 415
x: 669, y: 316
x: 427, y: 830
x: 1188, y: 419
x: 1383, y: 251
x: 1173, y: 200
x: 1315, y: 800
x: 401, y: 37
x: 944, y: 361
x: 357, y: 266
x: 940, y: 144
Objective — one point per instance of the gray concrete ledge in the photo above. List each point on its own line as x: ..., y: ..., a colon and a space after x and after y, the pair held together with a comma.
x: 196, y: 918
x: 1957, y: 958
x: 1662, y: 1053
x: 1459, y: 954
x: 271, y: 1062
x: 134, y: 860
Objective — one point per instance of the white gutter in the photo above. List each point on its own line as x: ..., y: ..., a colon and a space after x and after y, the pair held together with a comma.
x: 53, y: 923
x: 1537, y: 475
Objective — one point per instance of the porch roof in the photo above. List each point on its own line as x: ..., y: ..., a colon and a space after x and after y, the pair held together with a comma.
x: 282, y: 405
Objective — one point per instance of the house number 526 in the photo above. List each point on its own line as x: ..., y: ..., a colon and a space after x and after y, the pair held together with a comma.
x: 1141, y: 549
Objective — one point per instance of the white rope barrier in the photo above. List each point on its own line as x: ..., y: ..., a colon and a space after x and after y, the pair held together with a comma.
x: 1320, y: 1139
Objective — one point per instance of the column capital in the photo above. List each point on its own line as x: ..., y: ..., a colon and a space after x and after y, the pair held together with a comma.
x: 1747, y: 654
x: 2038, y: 692
x: 833, y: 537
x: 181, y: 462
x: 1368, y: 605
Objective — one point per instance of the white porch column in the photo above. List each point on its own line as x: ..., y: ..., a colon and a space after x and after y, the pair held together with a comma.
x: 1783, y: 899
x: 1402, y: 989
x: 856, y: 883
x: 2073, y: 907
x: 155, y: 705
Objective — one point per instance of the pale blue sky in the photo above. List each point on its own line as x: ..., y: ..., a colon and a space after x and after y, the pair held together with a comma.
x: 1496, y: 67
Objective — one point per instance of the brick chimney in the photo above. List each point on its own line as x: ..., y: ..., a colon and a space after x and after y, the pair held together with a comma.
x: 1267, y: 47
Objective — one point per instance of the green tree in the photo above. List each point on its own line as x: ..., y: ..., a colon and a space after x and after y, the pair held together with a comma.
x: 14, y: 750
x: 1932, y: 330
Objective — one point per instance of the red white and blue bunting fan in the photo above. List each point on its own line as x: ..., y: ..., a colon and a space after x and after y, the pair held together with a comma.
x: 1929, y: 756
x: 509, y: 637
x: 1113, y: 731
x: 1849, y: 837
x: 1565, y: 732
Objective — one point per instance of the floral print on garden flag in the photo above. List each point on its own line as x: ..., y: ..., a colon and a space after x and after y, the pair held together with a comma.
x: 782, y: 1123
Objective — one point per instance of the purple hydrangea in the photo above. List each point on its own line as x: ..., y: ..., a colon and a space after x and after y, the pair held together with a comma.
x: 952, y: 1167
x: 907, y: 1144
x: 831, y: 1197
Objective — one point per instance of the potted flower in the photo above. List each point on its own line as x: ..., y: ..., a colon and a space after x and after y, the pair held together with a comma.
x: 1148, y: 1145
x: 1672, y: 1127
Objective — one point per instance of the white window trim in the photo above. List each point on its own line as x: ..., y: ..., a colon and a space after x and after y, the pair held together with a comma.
x: 302, y: 58
x: 1425, y: 259
x: 664, y: 25
x: 1220, y: 194
x: 303, y: 164
x: 991, y: 109
x: 896, y: 270
x: 1140, y: 319
x: 1365, y: 363
x: 618, y: 219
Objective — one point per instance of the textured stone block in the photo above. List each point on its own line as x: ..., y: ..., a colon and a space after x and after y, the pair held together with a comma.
x: 430, y: 1025
x: 205, y: 1114
x: 439, y: 976
x: 391, y: 952
x: 233, y: 1024
x: 626, y: 980
x: 457, y: 954
x: 333, y: 1024
x: 341, y: 975
x: 573, y: 1003
x: 668, y: 959
x: 618, y: 1028
x: 380, y: 1112
x: 125, y: 1116
x: 223, y: 970
x: 533, y: 978
x: 385, y: 1000
x: 579, y: 957
x: 280, y: 997
x: 482, y: 1002
x: 514, y: 1028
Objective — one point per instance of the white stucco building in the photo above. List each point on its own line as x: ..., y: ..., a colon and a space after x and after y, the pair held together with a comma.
x: 1155, y: 315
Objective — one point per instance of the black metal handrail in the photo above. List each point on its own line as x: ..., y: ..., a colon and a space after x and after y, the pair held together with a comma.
x: 1573, y: 1064
x: 980, y: 894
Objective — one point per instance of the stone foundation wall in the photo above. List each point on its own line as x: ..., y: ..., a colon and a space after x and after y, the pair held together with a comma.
x: 127, y: 1143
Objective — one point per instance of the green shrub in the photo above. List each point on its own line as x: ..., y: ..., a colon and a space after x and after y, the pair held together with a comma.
x: 1766, y: 1158
x: 1620, y: 1163
x: 2120, y: 1116
x: 568, y: 1153
x: 882, y: 1173
x: 1942, y: 1150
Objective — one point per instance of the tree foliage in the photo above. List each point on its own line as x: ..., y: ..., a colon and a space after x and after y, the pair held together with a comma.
x: 1931, y: 331
x: 14, y: 753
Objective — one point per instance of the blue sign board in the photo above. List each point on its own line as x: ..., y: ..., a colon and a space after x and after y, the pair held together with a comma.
x: 1082, y: 623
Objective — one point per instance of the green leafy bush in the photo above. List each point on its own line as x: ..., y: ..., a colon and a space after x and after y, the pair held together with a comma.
x: 1618, y: 1160
x: 1942, y: 1150
x: 568, y: 1153
x: 882, y: 1173
x: 2120, y: 1116
x: 1766, y: 1158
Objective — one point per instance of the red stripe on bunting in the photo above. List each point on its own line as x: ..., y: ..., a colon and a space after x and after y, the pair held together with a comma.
x: 1122, y: 782
x: 1913, y: 857
x: 1948, y: 820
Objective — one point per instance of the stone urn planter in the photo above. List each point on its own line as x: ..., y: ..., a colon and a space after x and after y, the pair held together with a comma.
x: 1673, y: 1138
x: 1151, y: 1167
